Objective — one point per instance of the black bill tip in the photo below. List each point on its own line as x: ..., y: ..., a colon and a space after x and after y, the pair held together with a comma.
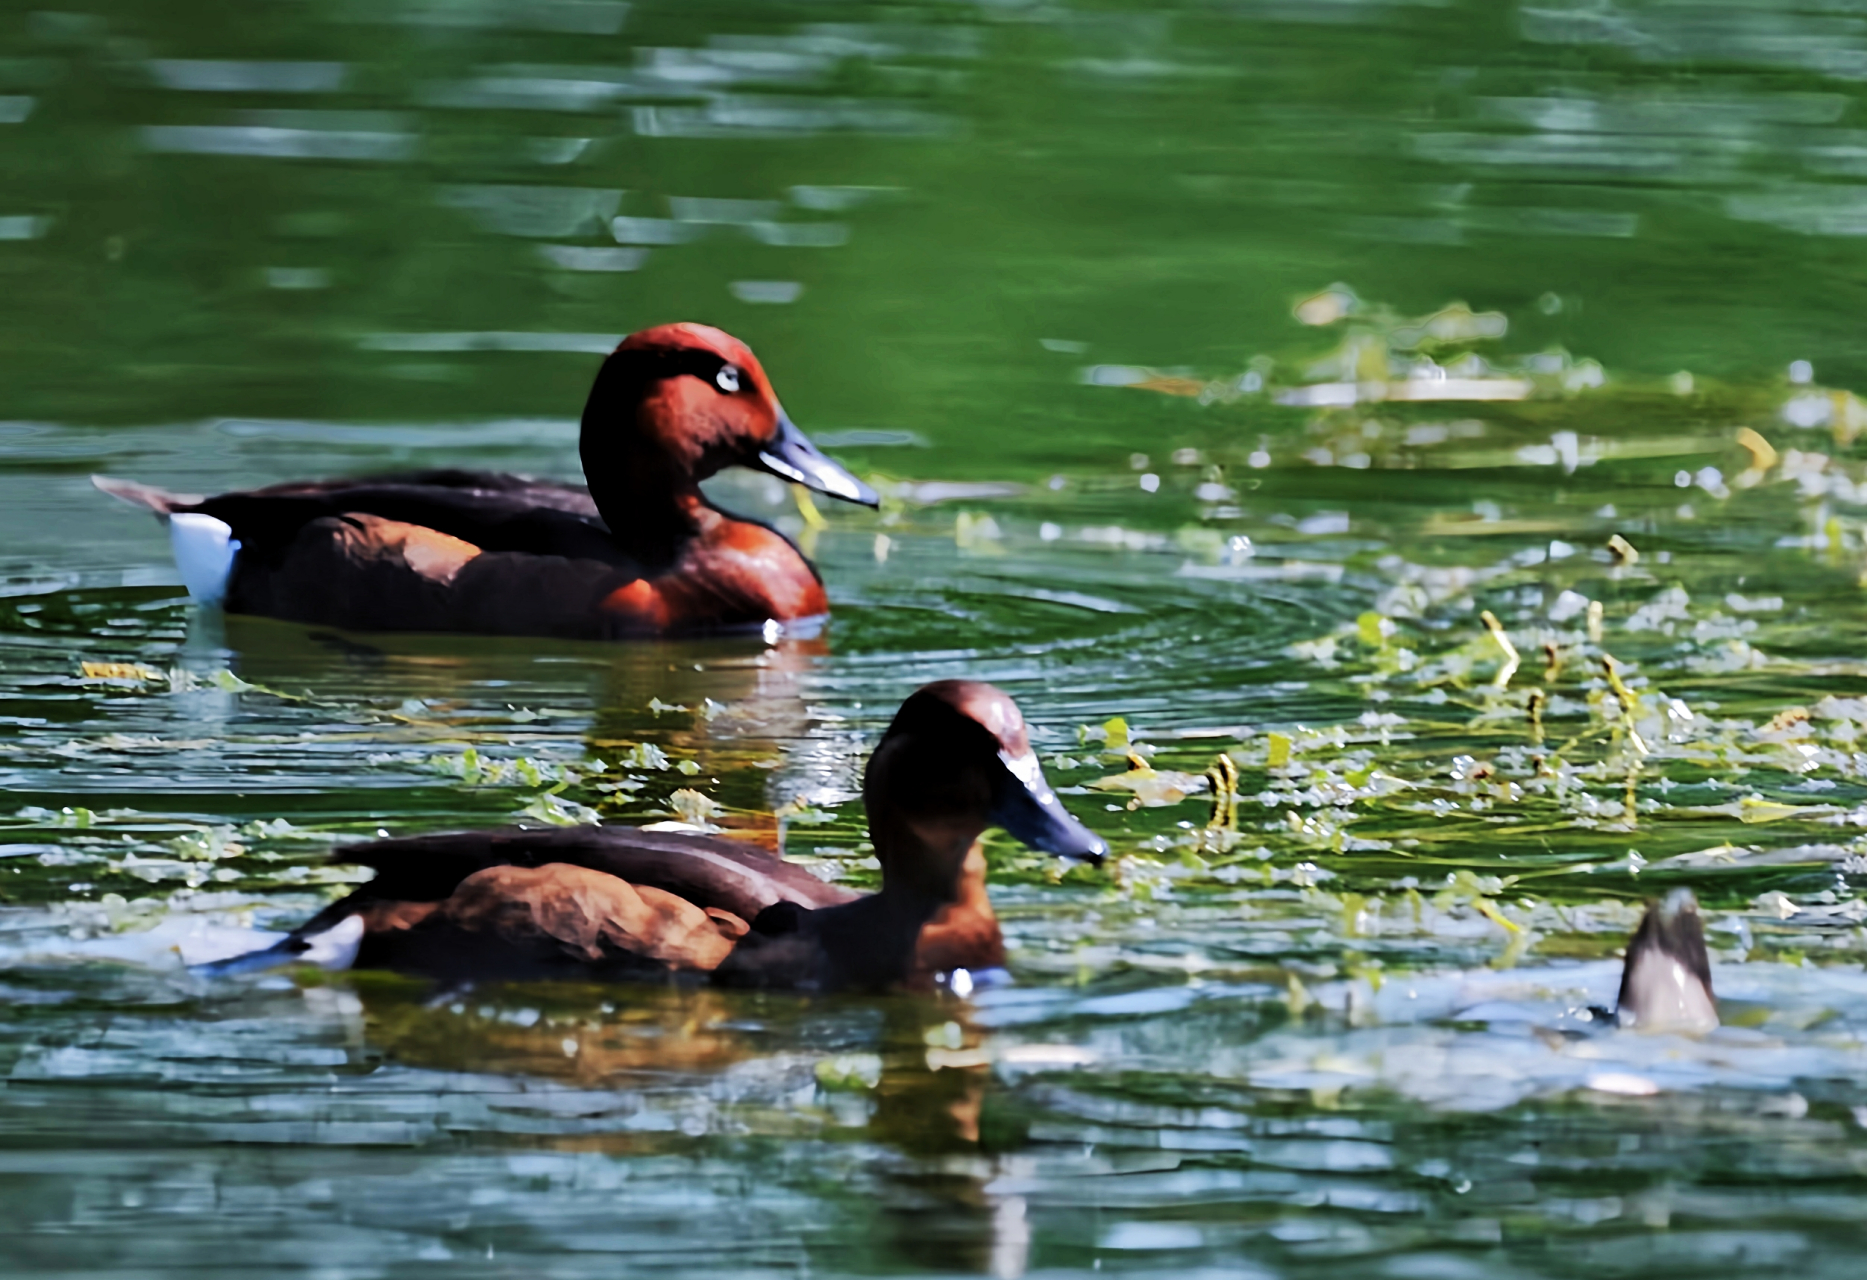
x: 792, y: 456
x: 1028, y: 809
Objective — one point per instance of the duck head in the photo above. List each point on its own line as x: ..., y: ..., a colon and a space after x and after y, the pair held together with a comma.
x: 955, y: 761
x: 673, y: 405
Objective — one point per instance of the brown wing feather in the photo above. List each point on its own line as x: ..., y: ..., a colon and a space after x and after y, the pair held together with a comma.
x: 355, y: 570
x: 713, y: 873
x: 367, y: 573
x: 491, y: 511
x: 506, y: 490
x: 591, y: 916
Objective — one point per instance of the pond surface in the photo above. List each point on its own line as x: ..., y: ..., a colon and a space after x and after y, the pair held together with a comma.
x: 1225, y: 365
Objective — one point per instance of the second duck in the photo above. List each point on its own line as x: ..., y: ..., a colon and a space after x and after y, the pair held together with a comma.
x: 618, y: 902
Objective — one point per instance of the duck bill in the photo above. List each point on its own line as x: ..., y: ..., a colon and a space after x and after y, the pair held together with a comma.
x: 1030, y: 810
x: 792, y: 456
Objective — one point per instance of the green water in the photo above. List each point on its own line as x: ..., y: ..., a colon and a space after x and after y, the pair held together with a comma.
x: 1057, y: 276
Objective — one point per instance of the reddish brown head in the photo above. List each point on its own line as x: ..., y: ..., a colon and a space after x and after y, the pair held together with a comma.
x: 956, y: 760
x: 677, y: 403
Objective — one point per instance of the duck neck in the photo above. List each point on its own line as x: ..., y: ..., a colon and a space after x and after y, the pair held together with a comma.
x: 871, y: 943
x: 653, y: 510
x: 928, y: 866
x: 649, y: 498
x: 969, y: 896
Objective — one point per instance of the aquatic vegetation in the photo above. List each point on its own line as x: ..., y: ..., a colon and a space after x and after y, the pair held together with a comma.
x: 1151, y: 786
x: 694, y: 808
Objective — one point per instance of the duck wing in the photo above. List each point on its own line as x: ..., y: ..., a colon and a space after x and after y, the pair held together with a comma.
x: 367, y: 573
x: 489, y: 510
x: 436, y: 551
x: 708, y: 872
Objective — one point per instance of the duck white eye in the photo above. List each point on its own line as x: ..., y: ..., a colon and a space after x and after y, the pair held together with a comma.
x: 727, y: 379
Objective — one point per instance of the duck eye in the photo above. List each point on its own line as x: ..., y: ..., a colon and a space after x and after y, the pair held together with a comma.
x: 727, y: 379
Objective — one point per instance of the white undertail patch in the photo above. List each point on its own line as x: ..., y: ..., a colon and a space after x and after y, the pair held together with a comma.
x: 204, y: 549
x: 336, y: 947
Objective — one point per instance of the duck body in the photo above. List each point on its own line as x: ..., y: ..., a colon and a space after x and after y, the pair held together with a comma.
x: 585, y: 902
x: 616, y: 902
x: 495, y: 554
x: 638, y: 551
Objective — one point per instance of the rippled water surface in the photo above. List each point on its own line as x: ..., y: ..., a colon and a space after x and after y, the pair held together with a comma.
x: 1225, y: 365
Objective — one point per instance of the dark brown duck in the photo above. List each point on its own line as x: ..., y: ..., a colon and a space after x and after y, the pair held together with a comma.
x: 614, y: 902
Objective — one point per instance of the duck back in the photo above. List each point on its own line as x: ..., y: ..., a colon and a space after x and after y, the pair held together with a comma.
x: 490, y: 510
x: 594, y: 902
x: 710, y: 871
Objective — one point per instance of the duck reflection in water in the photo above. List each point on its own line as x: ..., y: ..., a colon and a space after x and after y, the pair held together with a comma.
x: 734, y: 706
x: 910, y: 1076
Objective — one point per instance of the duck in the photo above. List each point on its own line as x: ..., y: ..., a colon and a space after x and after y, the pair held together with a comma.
x: 1666, y: 976
x: 638, y: 552
x: 622, y: 903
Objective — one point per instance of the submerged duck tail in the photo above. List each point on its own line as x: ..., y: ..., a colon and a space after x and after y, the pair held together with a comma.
x: 1666, y: 982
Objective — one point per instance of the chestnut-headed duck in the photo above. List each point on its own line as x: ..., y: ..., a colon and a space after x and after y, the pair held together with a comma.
x: 639, y: 552
x: 603, y: 902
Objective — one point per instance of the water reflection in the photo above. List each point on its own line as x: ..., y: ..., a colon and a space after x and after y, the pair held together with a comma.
x: 557, y: 1127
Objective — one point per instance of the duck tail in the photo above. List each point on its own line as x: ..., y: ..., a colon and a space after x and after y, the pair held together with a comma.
x: 1666, y: 982
x: 204, y: 546
x: 160, y: 501
x: 333, y: 948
